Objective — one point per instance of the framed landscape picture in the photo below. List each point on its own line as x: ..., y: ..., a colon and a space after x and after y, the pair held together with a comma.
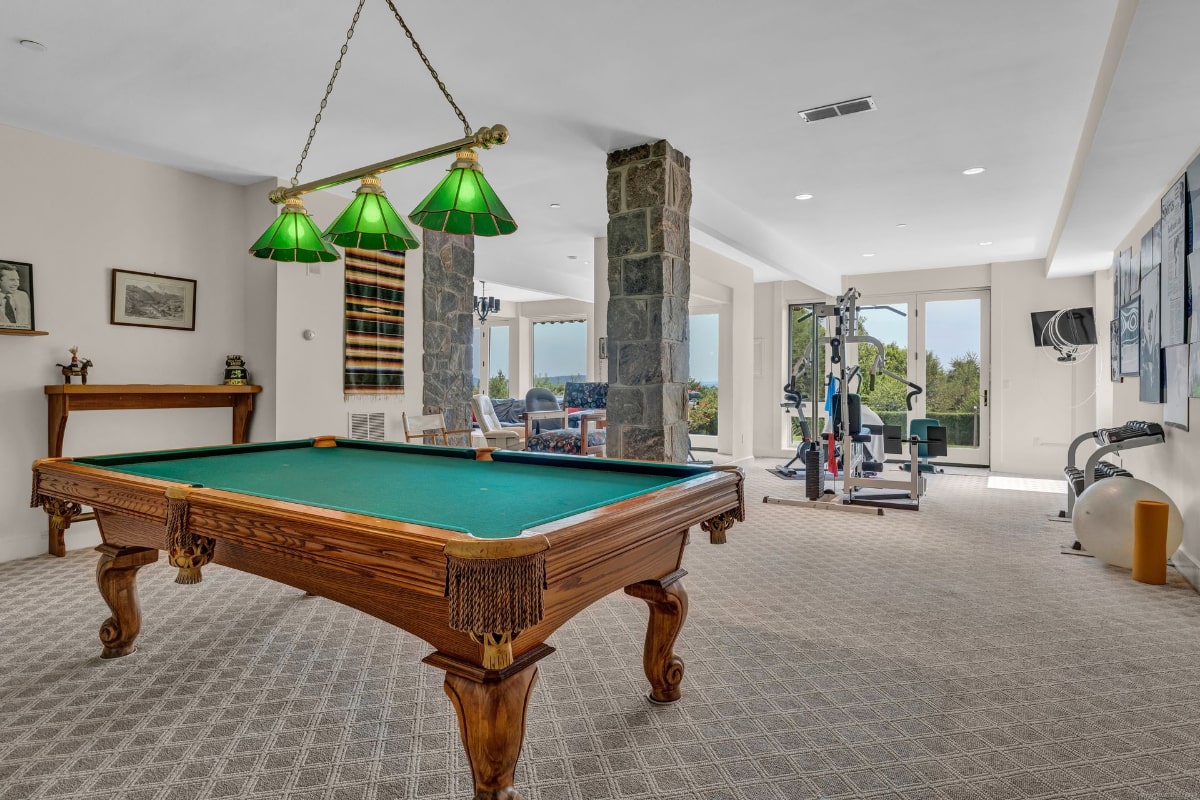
x: 153, y: 301
x: 16, y: 296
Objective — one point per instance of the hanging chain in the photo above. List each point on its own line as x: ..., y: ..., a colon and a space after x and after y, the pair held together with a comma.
x: 432, y: 71
x: 328, y: 91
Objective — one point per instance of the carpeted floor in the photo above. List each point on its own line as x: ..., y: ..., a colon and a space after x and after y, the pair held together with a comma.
x: 951, y: 653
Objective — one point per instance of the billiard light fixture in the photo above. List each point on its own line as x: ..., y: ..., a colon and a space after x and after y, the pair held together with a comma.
x: 485, y: 305
x: 462, y: 203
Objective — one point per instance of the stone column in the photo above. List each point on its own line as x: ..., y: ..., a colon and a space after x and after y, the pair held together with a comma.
x: 447, y: 297
x: 649, y: 280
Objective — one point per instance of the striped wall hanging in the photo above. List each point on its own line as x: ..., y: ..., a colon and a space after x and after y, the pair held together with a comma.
x: 374, y: 345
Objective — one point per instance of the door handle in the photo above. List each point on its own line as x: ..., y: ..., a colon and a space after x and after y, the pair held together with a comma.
x: 985, y: 398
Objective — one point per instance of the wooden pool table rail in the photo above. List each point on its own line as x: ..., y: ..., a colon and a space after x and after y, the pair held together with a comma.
x: 397, y: 572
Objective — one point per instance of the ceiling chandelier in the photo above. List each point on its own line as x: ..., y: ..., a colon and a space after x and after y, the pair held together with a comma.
x: 462, y: 203
x: 485, y: 305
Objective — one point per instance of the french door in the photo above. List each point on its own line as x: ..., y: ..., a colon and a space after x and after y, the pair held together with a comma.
x: 940, y: 342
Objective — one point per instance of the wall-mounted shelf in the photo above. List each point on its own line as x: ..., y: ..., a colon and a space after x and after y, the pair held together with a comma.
x: 8, y: 332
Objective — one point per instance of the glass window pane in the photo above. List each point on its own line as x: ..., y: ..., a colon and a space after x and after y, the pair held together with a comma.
x: 475, y: 351
x: 498, y: 383
x: 702, y: 368
x: 887, y: 322
x: 559, y: 354
x: 952, y: 344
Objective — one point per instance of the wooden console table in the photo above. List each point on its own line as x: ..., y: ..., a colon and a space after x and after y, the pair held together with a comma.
x: 62, y: 399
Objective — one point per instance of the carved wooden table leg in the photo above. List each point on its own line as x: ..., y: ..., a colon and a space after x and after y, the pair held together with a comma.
x: 668, y: 609
x: 61, y: 513
x: 116, y: 575
x: 491, y: 709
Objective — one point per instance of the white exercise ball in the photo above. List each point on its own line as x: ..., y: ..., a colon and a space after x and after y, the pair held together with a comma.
x: 1103, y: 519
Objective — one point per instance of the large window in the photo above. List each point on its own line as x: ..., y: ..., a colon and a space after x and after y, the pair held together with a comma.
x: 702, y: 370
x: 498, y: 370
x: 559, y: 354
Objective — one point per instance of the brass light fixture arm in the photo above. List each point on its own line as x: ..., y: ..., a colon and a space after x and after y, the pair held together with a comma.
x: 486, y: 137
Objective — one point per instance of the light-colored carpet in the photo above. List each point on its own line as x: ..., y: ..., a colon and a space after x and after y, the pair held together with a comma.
x: 951, y: 653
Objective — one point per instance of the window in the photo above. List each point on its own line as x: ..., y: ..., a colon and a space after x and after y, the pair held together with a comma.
x: 559, y: 354
x: 498, y: 370
x: 475, y: 350
x: 704, y: 338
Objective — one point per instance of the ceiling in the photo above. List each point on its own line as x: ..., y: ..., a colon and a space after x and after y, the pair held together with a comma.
x: 1022, y: 88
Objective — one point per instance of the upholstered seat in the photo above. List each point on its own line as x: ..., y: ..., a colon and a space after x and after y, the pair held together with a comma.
x: 494, y: 432
x: 579, y: 432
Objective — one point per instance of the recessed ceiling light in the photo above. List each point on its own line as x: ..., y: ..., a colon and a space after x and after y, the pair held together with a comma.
x: 901, y: 224
x: 984, y: 244
x: 572, y: 257
x: 804, y: 197
x: 974, y: 171
x: 587, y: 262
x: 30, y: 44
x: 555, y: 205
x: 868, y: 255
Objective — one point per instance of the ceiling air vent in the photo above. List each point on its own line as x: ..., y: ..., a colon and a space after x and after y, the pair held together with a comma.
x: 838, y: 109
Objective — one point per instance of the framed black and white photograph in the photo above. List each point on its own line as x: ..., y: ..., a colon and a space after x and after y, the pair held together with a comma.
x: 1174, y: 263
x: 1114, y: 351
x: 1194, y: 370
x: 1129, y: 284
x: 16, y: 296
x: 1150, y: 379
x: 1175, y: 412
x: 153, y: 301
x: 1131, y: 337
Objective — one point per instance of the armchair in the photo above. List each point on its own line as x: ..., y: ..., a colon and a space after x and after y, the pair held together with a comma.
x: 582, y: 431
x: 496, y: 434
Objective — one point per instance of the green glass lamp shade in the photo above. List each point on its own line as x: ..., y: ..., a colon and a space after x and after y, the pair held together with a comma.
x: 370, y: 222
x: 293, y: 237
x: 464, y: 203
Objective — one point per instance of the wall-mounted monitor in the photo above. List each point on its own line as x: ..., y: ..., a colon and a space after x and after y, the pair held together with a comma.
x: 1070, y: 328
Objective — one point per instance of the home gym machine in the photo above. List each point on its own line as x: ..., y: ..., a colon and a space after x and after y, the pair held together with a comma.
x: 861, y: 491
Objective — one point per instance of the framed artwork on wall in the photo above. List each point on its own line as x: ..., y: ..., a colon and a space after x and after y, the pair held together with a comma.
x: 1150, y: 388
x: 150, y: 300
x: 1114, y: 351
x: 16, y: 296
x: 1172, y: 275
x: 1194, y: 370
x: 1178, y: 388
x: 1131, y: 337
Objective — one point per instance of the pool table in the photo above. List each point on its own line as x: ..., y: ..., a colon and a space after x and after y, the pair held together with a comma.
x: 483, y: 554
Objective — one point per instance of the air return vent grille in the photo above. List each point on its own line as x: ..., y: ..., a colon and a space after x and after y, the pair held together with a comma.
x: 841, y: 109
x: 367, y: 425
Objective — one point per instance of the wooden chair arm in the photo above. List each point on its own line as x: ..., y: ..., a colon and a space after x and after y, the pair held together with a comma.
x: 530, y: 416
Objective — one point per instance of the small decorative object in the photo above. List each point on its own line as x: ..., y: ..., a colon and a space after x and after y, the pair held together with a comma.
x: 235, y: 371
x: 16, y: 296
x: 76, y: 368
x: 153, y: 301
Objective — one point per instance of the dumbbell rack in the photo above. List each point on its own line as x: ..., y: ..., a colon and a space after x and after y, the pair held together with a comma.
x: 1109, y: 440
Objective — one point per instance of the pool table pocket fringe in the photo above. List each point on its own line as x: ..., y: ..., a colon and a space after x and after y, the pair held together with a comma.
x: 495, y: 596
x: 187, y: 550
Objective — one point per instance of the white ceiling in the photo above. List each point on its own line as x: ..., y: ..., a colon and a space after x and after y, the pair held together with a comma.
x: 229, y: 89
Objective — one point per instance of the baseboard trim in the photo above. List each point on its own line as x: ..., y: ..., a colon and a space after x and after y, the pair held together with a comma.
x: 1187, y: 568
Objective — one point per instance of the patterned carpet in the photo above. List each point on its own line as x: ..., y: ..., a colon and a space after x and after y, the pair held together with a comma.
x: 951, y: 653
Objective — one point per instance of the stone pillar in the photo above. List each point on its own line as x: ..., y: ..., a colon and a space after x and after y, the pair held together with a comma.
x: 447, y: 297
x: 649, y: 280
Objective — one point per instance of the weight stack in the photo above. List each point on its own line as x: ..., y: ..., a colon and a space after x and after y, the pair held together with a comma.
x: 814, y: 474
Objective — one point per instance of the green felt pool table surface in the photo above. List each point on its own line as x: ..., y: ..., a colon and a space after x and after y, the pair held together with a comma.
x: 436, y: 486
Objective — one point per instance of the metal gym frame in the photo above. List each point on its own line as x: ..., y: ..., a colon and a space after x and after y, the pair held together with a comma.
x: 901, y: 494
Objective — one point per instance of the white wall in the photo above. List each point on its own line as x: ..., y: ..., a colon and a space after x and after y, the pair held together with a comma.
x: 1174, y: 465
x: 309, y: 379
x: 75, y: 213
x: 1037, y: 403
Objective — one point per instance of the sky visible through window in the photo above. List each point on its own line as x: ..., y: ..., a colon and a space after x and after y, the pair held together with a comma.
x: 704, y: 340
x: 560, y: 348
x: 952, y: 327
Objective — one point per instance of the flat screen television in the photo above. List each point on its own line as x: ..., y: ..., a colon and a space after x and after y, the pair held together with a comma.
x: 1074, y: 327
